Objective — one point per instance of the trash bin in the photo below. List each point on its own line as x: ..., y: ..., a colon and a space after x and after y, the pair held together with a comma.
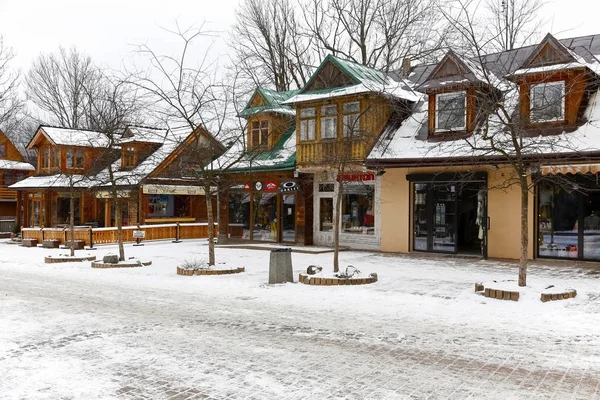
x: 280, y: 266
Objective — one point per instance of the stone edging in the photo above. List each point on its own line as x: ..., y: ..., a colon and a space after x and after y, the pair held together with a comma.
x: 559, y: 296
x: 101, y: 264
x: 198, y: 272
x: 312, y: 280
x: 52, y: 259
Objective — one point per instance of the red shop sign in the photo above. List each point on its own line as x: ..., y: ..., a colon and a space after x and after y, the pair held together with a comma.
x: 356, y: 177
x: 246, y: 186
x: 271, y: 186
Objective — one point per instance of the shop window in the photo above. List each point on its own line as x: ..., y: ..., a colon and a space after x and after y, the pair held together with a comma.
x: 351, y: 119
x: 451, y: 111
x: 358, y: 215
x: 265, y: 217
x: 307, y: 124
x: 63, y: 209
x: 547, y: 102
x: 2, y: 150
x: 558, y: 222
x: 239, y: 215
x: 74, y: 158
x: 329, y: 122
x: 161, y: 205
x: 326, y: 214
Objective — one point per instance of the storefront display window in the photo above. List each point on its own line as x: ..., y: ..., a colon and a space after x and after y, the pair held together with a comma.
x: 288, y: 218
x: 265, y: 217
x: 569, y: 219
x: 357, y: 209
x: 63, y: 209
x: 239, y: 215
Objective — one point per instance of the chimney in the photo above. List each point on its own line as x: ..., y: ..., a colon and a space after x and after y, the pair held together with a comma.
x: 405, y: 69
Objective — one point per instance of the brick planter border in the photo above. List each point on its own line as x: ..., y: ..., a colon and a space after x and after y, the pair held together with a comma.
x: 569, y: 294
x: 101, y: 264
x: 312, y: 280
x: 199, y: 272
x: 53, y: 259
x: 501, y: 294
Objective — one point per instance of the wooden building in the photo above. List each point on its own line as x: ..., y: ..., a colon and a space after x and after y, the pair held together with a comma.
x: 13, y: 168
x: 154, y: 173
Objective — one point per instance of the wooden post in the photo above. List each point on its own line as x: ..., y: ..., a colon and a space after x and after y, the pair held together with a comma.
x: 177, y: 234
x: 91, y: 240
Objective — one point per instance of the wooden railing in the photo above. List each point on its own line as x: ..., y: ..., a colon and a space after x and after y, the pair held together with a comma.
x: 6, y: 194
x: 197, y: 230
x: 330, y: 151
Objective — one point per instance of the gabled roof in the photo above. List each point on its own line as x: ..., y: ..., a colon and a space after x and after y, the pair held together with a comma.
x: 68, y: 137
x: 272, y: 103
x: 359, y: 79
x: 456, y: 70
x: 143, y: 134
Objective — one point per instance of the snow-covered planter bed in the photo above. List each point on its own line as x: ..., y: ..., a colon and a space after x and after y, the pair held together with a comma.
x: 112, y: 261
x: 62, y: 258
x: 199, y: 267
x: 351, y: 276
x: 510, y: 290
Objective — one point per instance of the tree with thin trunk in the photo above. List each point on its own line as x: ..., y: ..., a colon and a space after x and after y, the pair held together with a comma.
x: 501, y: 133
x: 11, y: 104
x: 512, y: 23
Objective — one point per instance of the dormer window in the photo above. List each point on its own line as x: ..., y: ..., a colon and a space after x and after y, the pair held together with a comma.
x: 49, y: 158
x: 307, y: 123
x: 259, y: 133
x: 451, y: 112
x: 547, y: 102
x: 129, y: 157
x: 329, y: 122
x: 74, y: 158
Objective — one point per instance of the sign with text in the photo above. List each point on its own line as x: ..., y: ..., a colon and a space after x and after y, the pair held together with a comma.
x: 270, y: 186
x: 365, y: 177
x: 139, y: 234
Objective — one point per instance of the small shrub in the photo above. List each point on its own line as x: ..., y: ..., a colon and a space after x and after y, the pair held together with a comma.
x: 195, y: 264
x: 16, y: 228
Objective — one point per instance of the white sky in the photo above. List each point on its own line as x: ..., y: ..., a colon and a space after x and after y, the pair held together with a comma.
x: 107, y: 29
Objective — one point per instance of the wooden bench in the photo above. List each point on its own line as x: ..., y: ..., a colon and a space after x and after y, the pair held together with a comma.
x: 51, y: 244
x: 28, y: 242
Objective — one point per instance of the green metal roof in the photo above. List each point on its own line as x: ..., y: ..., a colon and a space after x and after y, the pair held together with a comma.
x: 273, y: 100
x: 280, y: 158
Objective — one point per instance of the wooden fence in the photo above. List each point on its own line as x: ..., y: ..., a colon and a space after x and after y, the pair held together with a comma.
x: 197, y: 230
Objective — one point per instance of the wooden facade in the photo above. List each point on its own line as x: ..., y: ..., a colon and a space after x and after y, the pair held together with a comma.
x: 11, y: 200
x: 375, y: 112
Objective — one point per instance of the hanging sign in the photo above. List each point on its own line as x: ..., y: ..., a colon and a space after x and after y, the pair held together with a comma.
x: 288, y: 186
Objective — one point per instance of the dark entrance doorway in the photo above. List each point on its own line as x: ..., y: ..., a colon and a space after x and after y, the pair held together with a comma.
x: 450, y: 217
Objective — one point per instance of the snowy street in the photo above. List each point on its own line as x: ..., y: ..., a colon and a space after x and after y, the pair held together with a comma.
x: 68, y: 331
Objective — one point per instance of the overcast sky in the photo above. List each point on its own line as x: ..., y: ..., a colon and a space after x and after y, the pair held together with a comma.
x: 107, y: 29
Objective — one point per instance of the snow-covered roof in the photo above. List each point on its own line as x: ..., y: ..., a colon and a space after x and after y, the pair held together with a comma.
x: 409, y: 143
x: 16, y: 165
x: 366, y: 80
x: 143, y: 134
x: 74, y: 137
x: 52, y: 181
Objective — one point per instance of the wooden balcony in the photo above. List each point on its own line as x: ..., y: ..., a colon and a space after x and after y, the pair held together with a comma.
x: 6, y: 194
x: 330, y: 151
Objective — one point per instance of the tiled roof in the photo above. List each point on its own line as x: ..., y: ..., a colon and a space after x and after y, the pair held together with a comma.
x: 273, y: 103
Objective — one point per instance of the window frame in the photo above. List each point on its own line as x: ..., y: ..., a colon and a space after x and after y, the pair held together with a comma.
x: 350, y: 114
x: 562, y: 85
x: 308, y: 115
x: 76, y: 155
x: 439, y: 96
x: 327, y: 118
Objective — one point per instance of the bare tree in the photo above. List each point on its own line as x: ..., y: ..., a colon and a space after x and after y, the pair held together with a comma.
x: 59, y: 83
x: 188, y: 94
x: 11, y: 104
x: 376, y: 33
x: 513, y: 23
x: 269, y: 45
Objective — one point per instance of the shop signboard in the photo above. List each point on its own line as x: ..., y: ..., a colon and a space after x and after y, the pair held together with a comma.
x: 289, y: 186
x: 364, y: 177
x: 270, y: 186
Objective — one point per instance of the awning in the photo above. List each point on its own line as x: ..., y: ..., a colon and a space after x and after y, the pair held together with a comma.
x: 570, y: 169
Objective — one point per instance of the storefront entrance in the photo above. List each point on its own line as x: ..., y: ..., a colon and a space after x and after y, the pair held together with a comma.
x: 450, y: 217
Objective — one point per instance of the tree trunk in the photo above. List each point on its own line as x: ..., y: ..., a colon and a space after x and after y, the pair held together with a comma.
x: 119, y: 221
x: 524, y: 231
x: 72, y: 223
x: 211, y: 223
x: 336, y: 227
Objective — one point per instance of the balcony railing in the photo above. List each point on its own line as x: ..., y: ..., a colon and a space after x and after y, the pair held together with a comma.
x: 7, y: 194
x: 330, y: 151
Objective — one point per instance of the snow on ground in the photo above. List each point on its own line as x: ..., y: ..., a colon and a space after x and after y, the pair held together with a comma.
x: 68, y: 331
